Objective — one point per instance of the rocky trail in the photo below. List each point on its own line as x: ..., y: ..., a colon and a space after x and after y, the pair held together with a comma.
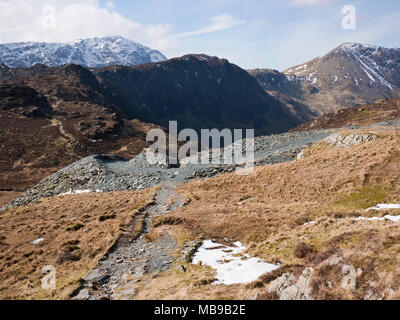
x: 119, y: 272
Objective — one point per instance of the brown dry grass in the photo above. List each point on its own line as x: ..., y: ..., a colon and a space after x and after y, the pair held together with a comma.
x: 330, y: 186
x: 32, y: 149
x: 195, y: 283
x: 75, y: 237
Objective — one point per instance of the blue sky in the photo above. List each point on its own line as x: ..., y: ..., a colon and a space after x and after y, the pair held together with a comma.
x: 252, y: 33
x: 274, y: 33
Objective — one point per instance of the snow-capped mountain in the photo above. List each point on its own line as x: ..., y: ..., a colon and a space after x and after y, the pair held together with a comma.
x: 349, y: 75
x: 353, y: 62
x: 94, y: 52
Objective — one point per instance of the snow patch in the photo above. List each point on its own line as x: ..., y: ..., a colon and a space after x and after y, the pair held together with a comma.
x: 383, y: 206
x: 232, y: 265
x: 37, y: 241
x: 301, y: 67
x: 79, y: 192
x: 387, y: 217
x: 369, y: 71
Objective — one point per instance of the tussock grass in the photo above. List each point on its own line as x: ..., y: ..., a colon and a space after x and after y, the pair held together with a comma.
x: 330, y: 186
x: 75, y: 238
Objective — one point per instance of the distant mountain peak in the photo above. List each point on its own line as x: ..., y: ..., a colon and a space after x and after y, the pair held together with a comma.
x: 363, y: 64
x: 350, y: 74
x: 91, y: 52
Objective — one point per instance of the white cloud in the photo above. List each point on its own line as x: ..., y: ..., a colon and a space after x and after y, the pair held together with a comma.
x: 110, y: 4
x: 24, y: 20
x: 222, y: 22
x: 308, y: 3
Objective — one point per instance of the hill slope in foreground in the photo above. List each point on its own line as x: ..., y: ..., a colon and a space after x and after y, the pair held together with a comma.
x: 308, y: 215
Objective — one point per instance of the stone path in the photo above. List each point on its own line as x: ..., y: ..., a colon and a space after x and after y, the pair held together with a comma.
x: 118, y: 273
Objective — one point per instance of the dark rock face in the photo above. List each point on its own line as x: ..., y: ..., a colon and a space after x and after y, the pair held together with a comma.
x: 288, y: 92
x: 273, y: 80
x: 199, y: 92
x: 24, y: 100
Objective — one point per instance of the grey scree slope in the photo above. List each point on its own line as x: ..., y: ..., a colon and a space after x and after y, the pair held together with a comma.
x: 107, y: 173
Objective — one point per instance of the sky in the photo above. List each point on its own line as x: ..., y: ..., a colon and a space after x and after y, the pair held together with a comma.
x: 250, y: 33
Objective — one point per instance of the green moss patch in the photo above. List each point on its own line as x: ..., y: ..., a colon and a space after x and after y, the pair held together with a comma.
x: 365, y: 197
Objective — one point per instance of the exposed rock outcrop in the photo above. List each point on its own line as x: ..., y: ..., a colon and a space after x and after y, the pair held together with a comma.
x: 342, y: 141
x: 288, y: 288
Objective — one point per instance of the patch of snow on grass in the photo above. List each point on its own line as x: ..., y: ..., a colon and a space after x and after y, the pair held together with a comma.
x: 232, y: 265
x: 37, y: 241
x: 383, y: 206
x: 387, y: 217
x: 79, y: 192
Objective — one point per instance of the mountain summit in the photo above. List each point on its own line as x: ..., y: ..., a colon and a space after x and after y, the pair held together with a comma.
x: 93, y: 52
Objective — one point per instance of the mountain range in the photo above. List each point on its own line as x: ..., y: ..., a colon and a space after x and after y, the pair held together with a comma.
x: 77, y: 111
x: 94, y: 53
x: 349, y: 75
